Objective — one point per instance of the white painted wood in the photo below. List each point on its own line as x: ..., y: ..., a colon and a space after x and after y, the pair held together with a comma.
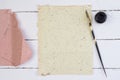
x: 109, y: 52
x: 28, y: 24
x: 29, y: 5
x: 33, y: 62
x: 31, y: 74
x: 108, y: 30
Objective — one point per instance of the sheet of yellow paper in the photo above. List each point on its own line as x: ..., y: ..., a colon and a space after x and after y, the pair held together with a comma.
x: 65, y: 41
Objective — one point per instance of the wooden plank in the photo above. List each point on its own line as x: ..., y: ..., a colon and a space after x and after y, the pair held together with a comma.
x: 109, y: 52
x: 108, y: 30
x: 31, y: 74
x: 28, y: 24
x: 30, y: 5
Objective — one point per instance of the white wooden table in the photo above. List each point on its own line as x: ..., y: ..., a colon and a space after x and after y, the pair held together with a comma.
x: 107, y: 34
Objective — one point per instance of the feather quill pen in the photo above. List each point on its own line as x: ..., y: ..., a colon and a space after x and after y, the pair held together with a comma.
x: 96, y: 45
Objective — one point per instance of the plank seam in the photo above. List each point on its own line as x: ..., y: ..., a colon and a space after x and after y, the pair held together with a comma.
x: 96, y: 39
x: 114, y: 10
x: 38, y: 68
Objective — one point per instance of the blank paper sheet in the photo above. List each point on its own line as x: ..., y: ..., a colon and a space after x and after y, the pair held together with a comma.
x: 65, y: 41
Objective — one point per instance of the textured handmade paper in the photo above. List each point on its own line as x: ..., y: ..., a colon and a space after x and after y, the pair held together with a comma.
x: 65, y: 41
x: 13, y: 48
